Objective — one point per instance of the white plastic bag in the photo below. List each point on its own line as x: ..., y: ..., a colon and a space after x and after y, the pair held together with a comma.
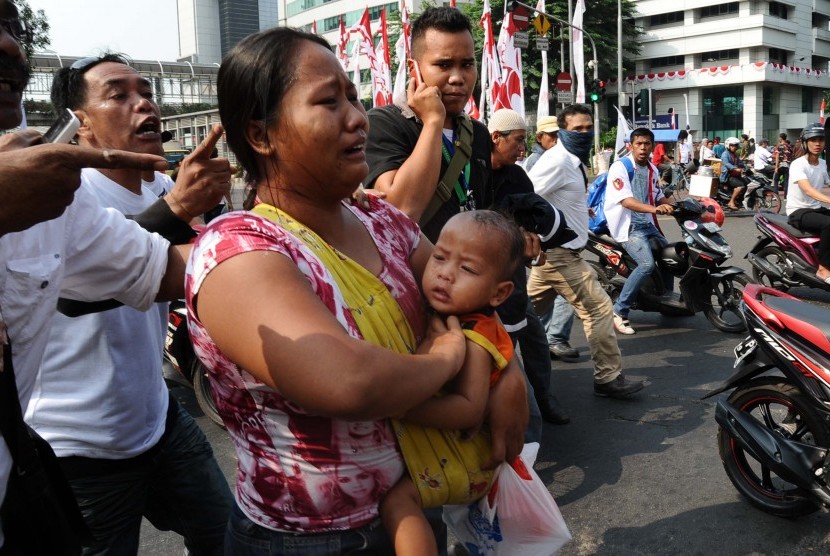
x: 518, y: 517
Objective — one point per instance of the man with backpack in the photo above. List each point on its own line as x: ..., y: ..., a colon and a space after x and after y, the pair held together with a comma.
x: 559, y: 176
x: 632, y: 203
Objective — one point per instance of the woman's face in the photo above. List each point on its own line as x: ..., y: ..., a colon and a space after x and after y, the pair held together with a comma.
x: 320, y: 137
x: 356, y: 483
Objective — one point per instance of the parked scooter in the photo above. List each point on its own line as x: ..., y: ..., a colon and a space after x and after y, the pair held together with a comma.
x: 704, y: 285
x: 178, y: 351
x: 760, y: 195
x: 784, y: 256
x: 774, y: 435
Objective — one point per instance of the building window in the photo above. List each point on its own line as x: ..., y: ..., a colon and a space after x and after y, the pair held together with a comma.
x: 807, y: 97
x: 778, y: 10
x: 730, y: 8
x: 666, y: 61
x: 767, y: 101
x: 719, y: 55
x: 723, y: 109
x: 666, y: 19
x: 777, y: 56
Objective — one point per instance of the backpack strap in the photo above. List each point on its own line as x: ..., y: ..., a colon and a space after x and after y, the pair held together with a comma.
x: 463, y: 152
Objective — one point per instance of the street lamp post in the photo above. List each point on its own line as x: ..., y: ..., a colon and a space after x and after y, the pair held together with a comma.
x: 591, y: 64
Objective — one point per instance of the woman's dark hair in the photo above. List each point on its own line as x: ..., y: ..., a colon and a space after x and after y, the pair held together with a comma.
x: 253, y: 79
x: 444, y: 19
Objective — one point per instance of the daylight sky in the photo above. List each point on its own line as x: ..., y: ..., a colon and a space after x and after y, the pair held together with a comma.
x: 143, y: 30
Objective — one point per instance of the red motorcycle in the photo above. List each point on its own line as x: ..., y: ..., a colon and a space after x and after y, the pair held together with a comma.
x: 178, y: 351
x: 774, y: 435
x: 784, y: 256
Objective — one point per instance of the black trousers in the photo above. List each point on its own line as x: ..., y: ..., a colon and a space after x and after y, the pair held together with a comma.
x: 818, y: 221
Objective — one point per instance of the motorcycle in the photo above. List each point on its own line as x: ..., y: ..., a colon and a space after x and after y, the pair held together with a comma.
x: 784, y: 256
x: 760, y: 195
x: 704, y: 285
x: 774, y: 429
x: 189, y: 371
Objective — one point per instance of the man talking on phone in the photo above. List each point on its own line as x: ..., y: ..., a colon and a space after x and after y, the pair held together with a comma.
x: 55, y: 239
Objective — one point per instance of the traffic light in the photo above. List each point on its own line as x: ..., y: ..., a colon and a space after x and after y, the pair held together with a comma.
x: 602, y: 89
x: 641, y: 103
x: 594, y: 91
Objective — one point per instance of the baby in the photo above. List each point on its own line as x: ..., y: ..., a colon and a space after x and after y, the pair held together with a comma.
x: 468, y: 275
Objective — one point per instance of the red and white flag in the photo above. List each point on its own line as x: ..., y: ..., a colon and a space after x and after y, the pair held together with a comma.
x: 366, y: 47
x: 314, y: 27
x: 543, y: 108
x: 471, y: 109
x: 821, y: 112
x: 452, y: 4
x: 342, y: 45
x: 402, y: 53
x: 511, y: 67
x: 383, y: 95
x: 492, y: 91
x: 578, y: 50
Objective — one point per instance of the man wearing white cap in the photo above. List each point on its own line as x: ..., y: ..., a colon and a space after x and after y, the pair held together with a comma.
x: 547, y: 133
x: 508, y: 131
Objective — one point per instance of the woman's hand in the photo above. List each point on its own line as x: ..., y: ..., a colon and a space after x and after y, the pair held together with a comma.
x: 445, y: 338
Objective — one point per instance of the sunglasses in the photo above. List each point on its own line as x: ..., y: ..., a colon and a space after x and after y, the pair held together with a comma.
x: 10, y: 22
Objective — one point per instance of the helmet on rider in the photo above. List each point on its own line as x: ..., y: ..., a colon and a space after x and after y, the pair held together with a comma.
x: 712, y: 211
x: 811, y: 131
x: 732, y: 141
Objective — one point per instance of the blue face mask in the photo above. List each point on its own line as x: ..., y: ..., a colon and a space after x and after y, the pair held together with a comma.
x: 578, y: 143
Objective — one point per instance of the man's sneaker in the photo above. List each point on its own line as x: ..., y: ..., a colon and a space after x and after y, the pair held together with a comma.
x: 563, y: 350
x: 622, y: 325
x: 619, y: 388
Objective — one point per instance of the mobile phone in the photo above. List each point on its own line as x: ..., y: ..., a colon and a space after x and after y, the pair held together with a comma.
x: 416, y: 73
x: 64, y: 129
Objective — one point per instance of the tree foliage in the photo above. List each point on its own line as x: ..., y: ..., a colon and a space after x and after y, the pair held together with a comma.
x: 37, y: 23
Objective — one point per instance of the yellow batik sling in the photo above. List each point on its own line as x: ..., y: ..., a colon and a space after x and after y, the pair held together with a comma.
x: 445, y: 468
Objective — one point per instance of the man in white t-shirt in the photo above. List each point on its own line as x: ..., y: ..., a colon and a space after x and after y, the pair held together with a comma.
x: 762, y: 159
x: 805, y: 194
x: 127, y: 447
x: 631, y: 207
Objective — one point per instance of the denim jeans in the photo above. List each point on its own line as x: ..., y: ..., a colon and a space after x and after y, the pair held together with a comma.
x: 180, y: 488
x: 246, y: 538
x: 558, y: 321
x: 638, y: 247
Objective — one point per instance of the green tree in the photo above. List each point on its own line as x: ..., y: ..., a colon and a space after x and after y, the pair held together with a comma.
x: 599, y: 21
x: 37, y: 24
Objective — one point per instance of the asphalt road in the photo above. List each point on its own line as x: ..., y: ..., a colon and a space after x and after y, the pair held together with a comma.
x: 638, y: 477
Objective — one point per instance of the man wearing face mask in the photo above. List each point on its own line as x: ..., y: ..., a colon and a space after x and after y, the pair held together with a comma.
x: 559, y: 176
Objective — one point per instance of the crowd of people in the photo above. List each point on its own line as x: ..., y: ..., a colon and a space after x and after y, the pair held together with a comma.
x: 428, y: 309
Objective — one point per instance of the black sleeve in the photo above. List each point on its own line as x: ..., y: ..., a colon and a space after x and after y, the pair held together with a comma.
x: 391, y: 140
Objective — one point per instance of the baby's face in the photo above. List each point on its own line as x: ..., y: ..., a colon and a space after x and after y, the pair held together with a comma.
x: 465, y: 269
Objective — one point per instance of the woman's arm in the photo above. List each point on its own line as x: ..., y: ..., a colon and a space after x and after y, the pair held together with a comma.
x: 463, y: 408
x: 260, y: 311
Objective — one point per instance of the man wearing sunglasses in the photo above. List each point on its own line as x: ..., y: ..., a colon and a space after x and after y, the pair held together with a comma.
x: 56, y: 240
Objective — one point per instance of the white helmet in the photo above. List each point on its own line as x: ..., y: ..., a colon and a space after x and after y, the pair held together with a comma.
x: 732, y: 141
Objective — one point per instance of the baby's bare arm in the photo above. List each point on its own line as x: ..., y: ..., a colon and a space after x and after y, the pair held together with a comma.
x: 463, y: 407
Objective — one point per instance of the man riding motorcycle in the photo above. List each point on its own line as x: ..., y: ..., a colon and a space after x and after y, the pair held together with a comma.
x: 731, y: 172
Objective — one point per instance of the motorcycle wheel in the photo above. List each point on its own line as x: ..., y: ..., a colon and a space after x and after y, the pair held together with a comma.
x: 770, y: 201
x: 723, y: 307
x: 202, y: 389
x: 777, y: 258
x: 604, y: 275
x: 781, y: 407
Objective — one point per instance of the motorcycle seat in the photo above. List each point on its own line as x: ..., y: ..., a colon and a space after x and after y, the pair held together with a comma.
x: 793, y: 313
x: 782, y: 221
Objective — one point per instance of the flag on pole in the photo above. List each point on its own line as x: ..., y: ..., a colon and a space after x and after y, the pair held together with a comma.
x: 511, y: 67
x: 342, y: 45
x: 471, y: 109
x: 384, y: 94
x: 366, y: 47
x: 543, y: 108
x: 452, y: 4
x: 821, y: 112
x: 623, y: 135
x: 356, y: 65
x: 578, y: 50
x: 402, y: 53
x: 314, y: 27
x: 490, y: 66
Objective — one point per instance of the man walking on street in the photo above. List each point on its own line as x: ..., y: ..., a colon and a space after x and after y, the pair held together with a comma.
x: 560, y: 178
